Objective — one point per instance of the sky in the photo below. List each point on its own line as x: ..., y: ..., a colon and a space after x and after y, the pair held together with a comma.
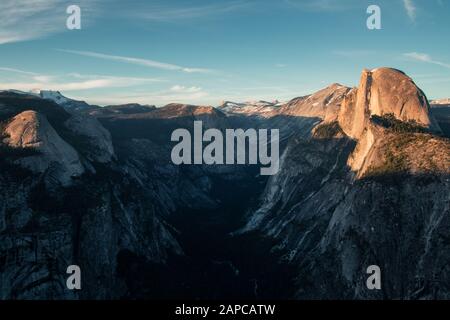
x: 206, y: 52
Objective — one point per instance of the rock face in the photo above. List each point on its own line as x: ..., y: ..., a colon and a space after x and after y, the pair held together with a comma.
x: 369, y: 189
x: 130, y: 108
x: 384, y: 91
x: 66, y: 200
x: 31, y: 130
x: 252, y: 108
x: 440, y: 102
x: 100, y: 147
x: 381, y: 92
x: 363, y: 181
x: 65, y: 102
x: 324, y: 104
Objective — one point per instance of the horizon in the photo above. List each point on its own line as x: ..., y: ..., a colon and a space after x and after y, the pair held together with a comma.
x: 204, y: 53
x: 221, y: 103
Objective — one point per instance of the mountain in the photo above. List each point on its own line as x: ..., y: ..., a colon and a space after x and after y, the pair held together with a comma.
x: 440, y: 102
x: 130, y: 108
x: 66, y: 199
x: 384, y: 91
x: 371, y: 188
x: 30, y: 130
x: 363, y: 180
x: 65, y: 102
x: 324, y: 104
x: 254, y: 108
x: 440, y: 109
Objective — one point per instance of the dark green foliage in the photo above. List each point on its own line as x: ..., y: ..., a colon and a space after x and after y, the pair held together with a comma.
x: 328, y: 130
x: 390, y: 122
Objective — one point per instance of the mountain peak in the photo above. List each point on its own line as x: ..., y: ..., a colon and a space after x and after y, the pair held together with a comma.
x: 31, y: 130
x: 384, y: 91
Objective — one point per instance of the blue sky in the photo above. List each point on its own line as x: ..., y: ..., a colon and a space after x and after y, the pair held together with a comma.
x: 204, y: 52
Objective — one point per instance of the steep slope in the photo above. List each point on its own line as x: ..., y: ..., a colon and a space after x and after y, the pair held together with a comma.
x: 363, y: 180
x: 324, y: 104
x: 130, y: 108
x: 440, y: 110
x: 66, y: 201
x: 370, y: 188
x: 384, y: 91
x: 67, y: 103
x: 91, y: 137
x: 252, y: 108
x: 30, y: 129
x: 296, y: 117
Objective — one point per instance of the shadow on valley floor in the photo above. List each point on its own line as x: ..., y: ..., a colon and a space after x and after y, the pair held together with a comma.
x: 216, y: 265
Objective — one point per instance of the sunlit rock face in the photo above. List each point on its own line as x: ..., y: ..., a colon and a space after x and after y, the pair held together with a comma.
x: 383, y: 91
x: 358, y: 185
x: 359, y: 192
x: 31, y: 130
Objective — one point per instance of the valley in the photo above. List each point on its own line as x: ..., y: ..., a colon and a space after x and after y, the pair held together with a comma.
x: 364, y: 178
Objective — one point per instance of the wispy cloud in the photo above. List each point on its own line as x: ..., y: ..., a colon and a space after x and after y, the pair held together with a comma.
x: 138, y: 61
x: 177, y: 94
x: 18, y: 71
x: 167, y: 13
x: 411, y: 9
x: 33, y: 75
x: 183, y: 89
x: 31, y: 81
x: 115, y: 78
x: 324, y: 5
x: 423, y: 57
x: 22, y: 20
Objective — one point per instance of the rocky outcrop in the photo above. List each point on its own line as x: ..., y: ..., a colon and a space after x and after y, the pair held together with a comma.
x: 383, y: 151
x: 369, y: 189
x: 384, y: 91
x: 98, y: 143
x: 31, y: 130
x: 262, y: 109
x: 130, y: 108
x: 63, y: 101
x: 324, y: 104
x: 45, y: 229
x: 363, y: 180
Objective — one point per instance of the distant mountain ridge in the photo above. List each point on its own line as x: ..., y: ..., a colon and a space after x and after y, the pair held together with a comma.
x: 364, y: 179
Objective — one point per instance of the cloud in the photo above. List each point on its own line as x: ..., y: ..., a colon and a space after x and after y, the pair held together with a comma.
x: 324, y: 5
x: 175, y: 94
x: 18, y: 71
x: 423, y: 57
x: 115, y: 78
x: 137, y: 61
x: 411, y: 9
x: 166, y: 13
x: 22, y: 20
x: 183, y: 89
x: 69, y: 82
x: 35, y: 76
